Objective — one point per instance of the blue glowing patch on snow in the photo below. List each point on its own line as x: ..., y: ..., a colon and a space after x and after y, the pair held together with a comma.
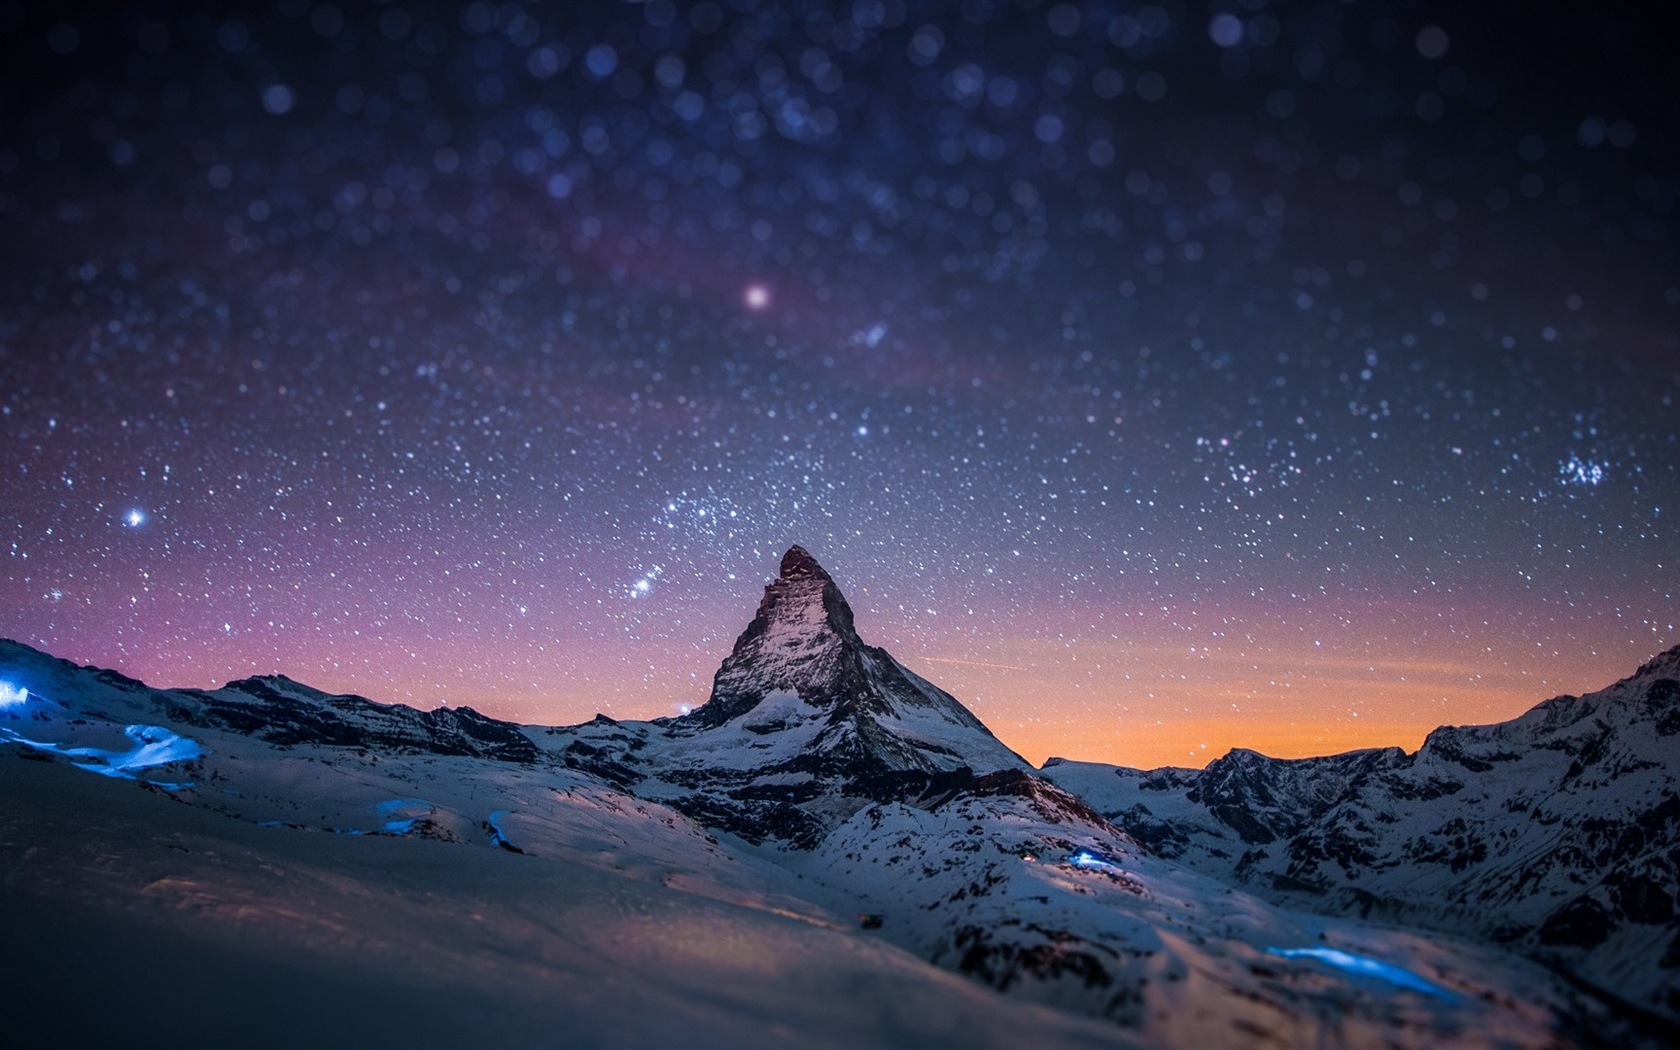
x: 405, y: 814
x: 1365, y: 966
x: 394, y: 826
x: 1092, y: 861
x: 497, y: 838
x: 12, y: 695
x: 153, y: 746
x: 397, y: 805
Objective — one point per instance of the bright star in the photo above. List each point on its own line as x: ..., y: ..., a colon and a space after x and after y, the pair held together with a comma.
x: 757, y: 297
x: 135, y: 518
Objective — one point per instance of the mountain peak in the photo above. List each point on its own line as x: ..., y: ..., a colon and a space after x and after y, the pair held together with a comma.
x: 801, y: 641
x: 802, y: 608
x: 797, y: 562
x: 800, y: 672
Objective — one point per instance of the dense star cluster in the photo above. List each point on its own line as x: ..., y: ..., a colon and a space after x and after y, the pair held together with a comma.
x: 1155, y: 377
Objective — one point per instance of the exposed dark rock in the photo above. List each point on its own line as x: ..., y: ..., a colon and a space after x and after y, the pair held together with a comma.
x: 284, y: 713
x: 754, y: 821
x: 1003, y: 962
x: 1641, y: 898
x: 1158, y: 836
x: 1582, y: 923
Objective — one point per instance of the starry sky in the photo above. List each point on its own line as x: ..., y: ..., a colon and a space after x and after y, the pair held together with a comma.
x: 1157, y: 378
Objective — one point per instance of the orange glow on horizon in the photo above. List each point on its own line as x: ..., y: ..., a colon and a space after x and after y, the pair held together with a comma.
x: 1136, y: 696
x: 1194, y: 744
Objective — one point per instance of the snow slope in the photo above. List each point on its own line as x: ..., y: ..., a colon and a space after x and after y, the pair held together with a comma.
x: 134, y: 920
x: 352, y: 892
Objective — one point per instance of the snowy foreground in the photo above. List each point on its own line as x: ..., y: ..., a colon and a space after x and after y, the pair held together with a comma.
x: 137, y: 919
x: 816, y: 862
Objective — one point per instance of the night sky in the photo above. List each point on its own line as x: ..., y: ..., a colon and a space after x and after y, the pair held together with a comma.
x: 1156, y: 378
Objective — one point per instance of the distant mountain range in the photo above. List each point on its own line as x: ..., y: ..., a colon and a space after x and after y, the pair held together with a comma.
x: 1556, y: 834
x: 1515, y: 884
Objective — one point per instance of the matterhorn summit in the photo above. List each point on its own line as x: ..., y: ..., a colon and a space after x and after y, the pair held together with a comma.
x: 802, y: 641
x: 800, y: 668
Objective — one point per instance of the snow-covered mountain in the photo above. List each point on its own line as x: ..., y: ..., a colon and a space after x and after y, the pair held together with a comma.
x: 1556, y: 834
x: 701, y: 879
x: 805, y: 724
x: 801, y: 673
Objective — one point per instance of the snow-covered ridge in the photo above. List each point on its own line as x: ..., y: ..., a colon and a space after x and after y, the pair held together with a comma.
x: 1182, y: 907
x: 1554, y: 833
x: 390, y: 849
